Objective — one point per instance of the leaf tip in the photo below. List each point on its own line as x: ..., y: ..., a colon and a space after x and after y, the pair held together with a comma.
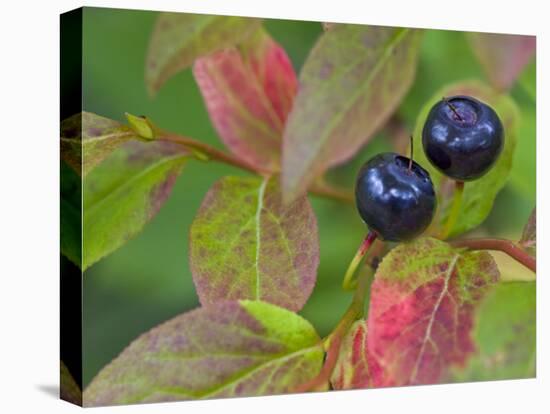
x: 152, y: 85
x: 151, y: 90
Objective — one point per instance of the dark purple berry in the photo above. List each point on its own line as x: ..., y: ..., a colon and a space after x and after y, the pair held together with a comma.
x: 462, y: 137
x: 396, y: 202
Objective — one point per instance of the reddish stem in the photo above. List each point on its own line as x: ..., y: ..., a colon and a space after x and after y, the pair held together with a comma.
x: 321, y: 188
x: 375, y: 252
x: 330, y: 362
x: 363, y: 249
x: 354, y: 312
x: 505, y: 246
x: 212, y: 152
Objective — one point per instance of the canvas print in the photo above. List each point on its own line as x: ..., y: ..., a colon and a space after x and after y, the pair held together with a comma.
x: 252, y: 206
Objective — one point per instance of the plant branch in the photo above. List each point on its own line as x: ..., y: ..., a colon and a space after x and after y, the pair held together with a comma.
x: 320, y: 188
x: 505, y: 246
x: 334, y: 341
x: 211, y: 152
x: 363, y: 248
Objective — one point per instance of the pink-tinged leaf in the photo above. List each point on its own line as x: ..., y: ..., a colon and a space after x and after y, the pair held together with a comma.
x: 87, y: 139
x: 356, y: 366
x: 529, y: 236
x: 180, y: 38
x: 248, y: 92
x: 422, y: 307
x: 273, y: 71
x: 245, y: 244
x: 502, y: 56
x: 352, y: 81
x: 230, y: 349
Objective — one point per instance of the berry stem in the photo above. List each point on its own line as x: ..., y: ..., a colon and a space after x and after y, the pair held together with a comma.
x: 412, y: 154
x: 361, y: 251
x: 455, y: 209
x: 453, y: 108
x: 505, y: 246
x: 334, y: 341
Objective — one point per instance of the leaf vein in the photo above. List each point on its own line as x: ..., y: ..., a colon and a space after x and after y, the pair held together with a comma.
x: 427, y: 336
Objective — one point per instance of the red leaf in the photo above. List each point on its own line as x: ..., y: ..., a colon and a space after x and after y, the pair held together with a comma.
x: 502, y: 56
x: 274, y: 72
x: 248, y: 93
x: 422, y: 307
x: 356, y: 366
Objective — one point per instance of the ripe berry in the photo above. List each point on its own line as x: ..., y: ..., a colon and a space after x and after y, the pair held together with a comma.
x: 462, y: 137
x: 395, y: 201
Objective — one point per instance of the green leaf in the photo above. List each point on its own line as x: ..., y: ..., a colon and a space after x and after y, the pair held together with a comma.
x: 502, y: 56
x: 505, y: 332
x: 528, y: 80
x: 422, y: 306
x: 70, y: 214
x: 245, y: 244
x: 352, y: 81
x: 69, y: 389
x: 524, y: 170
x: 86, y: 139
x: 124, y: 192
x: 479, y: 195
x: 228, y: 349
x: 180, y: 38
x: 529, y: 236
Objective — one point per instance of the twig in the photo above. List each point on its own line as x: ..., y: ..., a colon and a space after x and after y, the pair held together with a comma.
x: 505, y: 246
x: 319, y: 188
x: 211, y: 152
x: 334, y: 340
x: 363, y: 248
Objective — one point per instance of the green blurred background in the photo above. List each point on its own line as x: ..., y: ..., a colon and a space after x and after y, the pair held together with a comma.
x: 148, y: 280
